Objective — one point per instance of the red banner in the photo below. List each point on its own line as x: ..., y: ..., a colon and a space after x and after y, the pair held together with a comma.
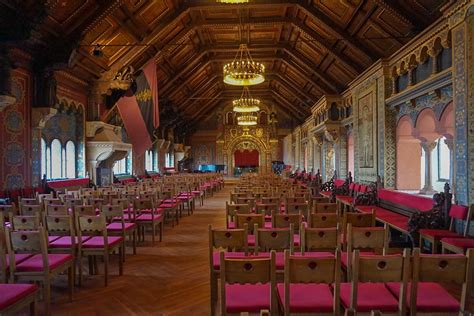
x: 150, y: 73
x: 246, y: 158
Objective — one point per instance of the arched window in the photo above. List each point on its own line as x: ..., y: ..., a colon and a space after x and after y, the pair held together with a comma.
x: 70, y: 160
x: 56, y: 159
x: 44, y: 158
x: 444, y: 160
x: 124, y: 165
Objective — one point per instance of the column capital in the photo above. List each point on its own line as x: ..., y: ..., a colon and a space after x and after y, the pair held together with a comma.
x: 428, y: 146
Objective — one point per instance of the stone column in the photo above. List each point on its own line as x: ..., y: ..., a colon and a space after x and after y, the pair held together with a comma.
x: 450, y: 143
x: 428, y: 149
x: 460, y: 16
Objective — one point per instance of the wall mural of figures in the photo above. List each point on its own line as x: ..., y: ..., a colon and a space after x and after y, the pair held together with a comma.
x: 366, y: 131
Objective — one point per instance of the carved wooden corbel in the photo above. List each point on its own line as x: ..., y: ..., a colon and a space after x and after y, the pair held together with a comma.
x: 40, y: 116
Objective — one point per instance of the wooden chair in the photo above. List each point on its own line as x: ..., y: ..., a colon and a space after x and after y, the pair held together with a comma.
x: 153, y: 218
x: 247, y: 200
x: 430, y: 272
x: 311, y: 285
x: 323, y: 220
x: 367, y: 291
x: 234, y: 241
x: 41, y: 266
x: 24, y: 222
x: 369, y: 240
x: 319, y: 241
x: 285, y: 221
x: 248, y: 285
x: 249, y: 221
x: 99, y: 244
x: 55, y: 209
x: 231, y: 210
x: 116, y: 225
x: 31, y: 210
x: 86, y: 210
x: 14, y: 298
x: 267, y: 209
x: 434, y: 236
x: 356, y: 220
x: 297, y: 208
x: 325, y: 208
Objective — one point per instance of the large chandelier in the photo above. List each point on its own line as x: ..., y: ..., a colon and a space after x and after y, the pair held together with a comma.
x: 233, y: 1
x: 243, y: 71
x: 247, y: 120
x: 246, y: 103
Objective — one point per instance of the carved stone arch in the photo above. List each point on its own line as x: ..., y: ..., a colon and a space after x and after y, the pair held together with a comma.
x: 402, y: 67
x: 412, y: 61
x: 423, y: 54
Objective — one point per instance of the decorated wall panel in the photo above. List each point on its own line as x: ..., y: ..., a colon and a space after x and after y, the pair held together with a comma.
x: 15, y: 165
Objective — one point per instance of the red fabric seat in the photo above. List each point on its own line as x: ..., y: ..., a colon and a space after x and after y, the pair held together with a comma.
x: 98, y: 241
x: 345, y: 199
x: 251, y: 240
x: 12, y: 293
x: 431, y: 297
x: 118, y: 226
x: 53, y: 238
x: 168, y: 205
x: 170, y: 201
x: 65, y: 241
x: 128, y: 217
x: 247, y: 297
x: 232, y: 225
x: 370, y: 296
x: 268, y: 225
x: 19, y: 257
x: 148, y: 217
x: 439, y: 233
x: 35, y: 262
x: 307, y: 298
x: 296, y: 240
x: 463, y: 243
x: 147, y: 211
x: 326, y: 193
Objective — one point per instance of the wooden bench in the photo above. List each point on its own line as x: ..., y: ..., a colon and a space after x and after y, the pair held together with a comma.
x: 395, y: 208
x: 337, y: 183
x: 346, y: 202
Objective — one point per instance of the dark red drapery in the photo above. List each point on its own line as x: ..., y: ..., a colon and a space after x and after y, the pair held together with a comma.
x: 246, y: 158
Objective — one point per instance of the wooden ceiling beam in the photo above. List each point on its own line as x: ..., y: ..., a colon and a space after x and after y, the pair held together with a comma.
x: 398, y: 13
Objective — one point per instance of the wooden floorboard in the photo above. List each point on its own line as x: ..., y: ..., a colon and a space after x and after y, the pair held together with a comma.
x: 171, y: 278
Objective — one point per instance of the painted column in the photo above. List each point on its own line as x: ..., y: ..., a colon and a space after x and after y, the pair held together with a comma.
x: 428, y: 149
x: 461, y: 22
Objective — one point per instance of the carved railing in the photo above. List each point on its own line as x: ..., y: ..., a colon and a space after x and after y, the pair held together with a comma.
x: 369, y: 197
x: 329, y: 185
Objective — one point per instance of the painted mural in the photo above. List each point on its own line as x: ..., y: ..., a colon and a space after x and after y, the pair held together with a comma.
x: 203, y: 154
x: 366, y: 131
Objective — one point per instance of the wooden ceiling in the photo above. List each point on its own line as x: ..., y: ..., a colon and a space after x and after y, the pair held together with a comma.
x: 309, y: 48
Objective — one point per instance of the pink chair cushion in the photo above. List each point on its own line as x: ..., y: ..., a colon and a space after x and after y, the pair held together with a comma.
x: 371, y: 296
x: 35, y: 262
x: 431, y: 297
x: 463, y: 243
x: 268, y: 224
x: 458, y: 212
x: 98, y: 241
x: 231, y: 225
x: 118, y: 226
x: 410, y: 200
x: 19, y: 257
x: 65, y: 241
x: 148, y: 217
x: 326, y: 193
x: 12, y: 293
x: 53, y: 238
x: 439, y: 233
x: 307, y: 298
x: 247, y: 297
x: 168, y: 205
x: 185, y: 198
x: 296, y: 240
x: 251, y: 240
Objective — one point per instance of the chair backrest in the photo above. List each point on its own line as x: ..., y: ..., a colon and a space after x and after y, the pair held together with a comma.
x: 55, y: 209
x: 247, y: 271
x: 71, y: 203
x: 95, y: 202
x: 246, y: 200
x: 233, y: 209
x: 278, y: 239
x: 25, y: 222
x: 228, y: 239
x: 443, y: 268
x: 323, y: 220
x: 286, y: 220
x: 84, y: 210
x: 295, y: 200
x: 357, y: 220
x: 49, y: 201
x: 319, y: 239
x: 293, y: 208
x: 124, y: 203
x: 381, y: 269
x: 270, y: 200
x: 30, y: 242
x: 373, y: 238
x: 59, y: 225
x: 463, y: 213
x: 113, y: 213
x: 31, y: 210
x: 319, y: 270
x: 267, y: 209
x: 143, y: 204
x: 250, y: 220
x: 325, y: 208
x: 91, y: 225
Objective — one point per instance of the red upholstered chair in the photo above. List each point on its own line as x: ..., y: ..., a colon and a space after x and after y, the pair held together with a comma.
x: 285, y: 220
x: 356, y: 220
x: 185, y: 195
x: 311, y: 285
x: 116, y: 225
x: 41, y: 266
x: 457, y: 212
x: 325, y: 208
x: 248, y: 285
x: 250, y: 201
x: 268, y: 210
x: 277, y: 239
x: 319, y: 241
x: 249, y: 221
x: 99, y: 243
x: 367, y: 291
x: 426, y: 294
x: 55, y: 209
x: 369, y: 240
x: 232, y: 210
x: 234, y: 241
x: 151, y: 216
x: 14, y: 298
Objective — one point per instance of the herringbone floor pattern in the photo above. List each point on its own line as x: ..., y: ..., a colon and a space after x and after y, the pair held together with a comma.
x: 171, y: 278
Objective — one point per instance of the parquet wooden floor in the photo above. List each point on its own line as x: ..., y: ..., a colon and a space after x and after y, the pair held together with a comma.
x: 171, y: 278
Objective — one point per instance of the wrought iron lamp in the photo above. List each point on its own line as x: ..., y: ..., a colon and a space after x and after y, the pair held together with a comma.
x: 247, y: 120
x: 243, y: 70
x: 246, y: 104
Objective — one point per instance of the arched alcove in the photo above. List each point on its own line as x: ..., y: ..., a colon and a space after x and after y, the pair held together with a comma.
x: 408, y: 157
x: 350, y: 153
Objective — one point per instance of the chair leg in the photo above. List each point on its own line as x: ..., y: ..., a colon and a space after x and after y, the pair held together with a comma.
x: 47, y: 295
x: 153, y: 233
x: 70, y: 279
x: 121, y: 254
x: 106, y: 269
x: 162, y: 226
x: 134, y: 241
x: 33, y: 309
x: 213, y: 293
x: 79, y: 267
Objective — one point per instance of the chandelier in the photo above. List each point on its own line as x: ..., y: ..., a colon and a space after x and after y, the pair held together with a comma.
x: 247, y: 120
x: 243, y: 71
x: 233, y: 1
x: 246, y: 103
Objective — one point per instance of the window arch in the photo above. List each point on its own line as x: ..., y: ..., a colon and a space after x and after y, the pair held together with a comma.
x: 56, y: 159
x: 124, y: 165
x: 70, y: 165
x: 44, y: 158
x: 151, y: 160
